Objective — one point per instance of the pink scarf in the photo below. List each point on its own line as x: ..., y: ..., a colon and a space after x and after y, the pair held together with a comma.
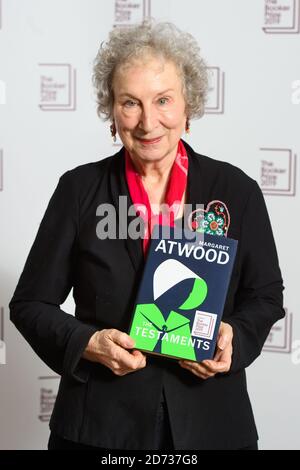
x: 174, y: 193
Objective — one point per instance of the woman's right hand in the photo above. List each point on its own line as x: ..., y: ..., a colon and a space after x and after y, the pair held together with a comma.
x: 110, y: 347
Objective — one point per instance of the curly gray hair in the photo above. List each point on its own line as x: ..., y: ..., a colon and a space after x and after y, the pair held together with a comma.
x: 162, y: 39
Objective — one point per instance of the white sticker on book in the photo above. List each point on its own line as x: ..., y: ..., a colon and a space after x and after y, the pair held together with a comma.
x: 204, y: 324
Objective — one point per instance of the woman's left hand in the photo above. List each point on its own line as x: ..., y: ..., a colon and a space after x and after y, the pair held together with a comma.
x: 222, y: 359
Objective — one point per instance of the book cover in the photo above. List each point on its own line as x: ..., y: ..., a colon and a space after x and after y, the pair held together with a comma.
x: 182, y: 293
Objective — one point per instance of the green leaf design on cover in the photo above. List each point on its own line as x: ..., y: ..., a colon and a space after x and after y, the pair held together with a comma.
x: 142, y: 312
x: 196, y: 296
x: 150, y: 318
x: 178, y: 327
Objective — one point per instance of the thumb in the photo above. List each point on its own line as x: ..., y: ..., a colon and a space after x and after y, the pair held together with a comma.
x: 128, y: 342
x: 223, y: 341
x: 123, y: 340
x: 225, y: 336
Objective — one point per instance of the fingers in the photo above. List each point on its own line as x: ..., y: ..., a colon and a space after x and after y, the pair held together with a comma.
x: 121, y: 361
x: 222, y: 365
x: 197, y: 369
x: 210, y: 367
x: 140, y: 362
x: 130, y: 360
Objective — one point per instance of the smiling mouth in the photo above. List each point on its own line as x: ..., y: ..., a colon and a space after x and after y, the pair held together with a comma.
x: 150, y: 141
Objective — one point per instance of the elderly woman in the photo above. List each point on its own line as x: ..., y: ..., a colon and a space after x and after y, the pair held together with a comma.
x: 150, y: 81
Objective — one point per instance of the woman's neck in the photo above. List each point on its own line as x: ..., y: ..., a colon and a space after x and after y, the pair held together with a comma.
x: 155, y: 173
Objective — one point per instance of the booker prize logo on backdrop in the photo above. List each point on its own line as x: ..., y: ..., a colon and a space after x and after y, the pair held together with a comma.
x: 1, y: 170
x: 2, y: 342
x: 216, y: 91
x: 278, y: 172
x: 282, y: 17
x: 128, y: 12
x: 48, y: 392
x: 280, y: 336
x: 57, y: 87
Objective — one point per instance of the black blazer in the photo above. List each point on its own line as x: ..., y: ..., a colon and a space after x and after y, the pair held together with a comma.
x: 93, y: 405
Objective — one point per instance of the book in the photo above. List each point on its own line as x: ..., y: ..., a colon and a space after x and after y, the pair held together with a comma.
x: 181, y: 296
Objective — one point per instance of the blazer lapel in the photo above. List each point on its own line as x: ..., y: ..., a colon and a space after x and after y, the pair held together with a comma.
x: 118, y: 187
x: 196, y: 186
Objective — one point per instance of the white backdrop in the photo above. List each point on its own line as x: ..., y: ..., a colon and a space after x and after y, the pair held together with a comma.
x: 48, y: 124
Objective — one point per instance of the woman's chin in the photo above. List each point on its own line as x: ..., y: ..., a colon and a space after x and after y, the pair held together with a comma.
x: 149, y: 153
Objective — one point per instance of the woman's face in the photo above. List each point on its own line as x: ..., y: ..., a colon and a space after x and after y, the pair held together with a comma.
x: 149, y: 104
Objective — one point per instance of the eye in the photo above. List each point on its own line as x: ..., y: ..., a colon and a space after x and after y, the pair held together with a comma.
x: 163, y: 100
x: 129, y: 103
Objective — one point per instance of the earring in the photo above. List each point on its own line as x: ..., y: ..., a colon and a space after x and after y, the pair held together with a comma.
x: 113, y: 131
x: 187, y: 126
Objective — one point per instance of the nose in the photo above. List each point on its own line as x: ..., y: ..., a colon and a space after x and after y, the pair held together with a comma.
x: 148, y: 119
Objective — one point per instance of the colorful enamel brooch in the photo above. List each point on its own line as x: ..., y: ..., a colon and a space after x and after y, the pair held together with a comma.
x: 214, y: 220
